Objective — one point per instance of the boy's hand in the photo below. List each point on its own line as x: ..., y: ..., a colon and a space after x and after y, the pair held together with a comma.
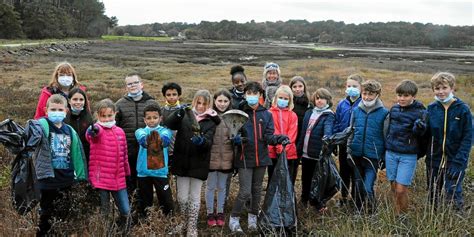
x: 198, y: 140
x: 165, y: 141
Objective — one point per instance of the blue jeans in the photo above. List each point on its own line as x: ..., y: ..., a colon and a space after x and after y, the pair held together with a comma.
x: 437, y: 181
x: 400, y: 167
x: 365, y: 174
x: 216, y: 181
x: 121, y: 201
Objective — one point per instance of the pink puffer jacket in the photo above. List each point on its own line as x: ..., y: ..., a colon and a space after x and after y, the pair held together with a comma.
x: 108, y: 163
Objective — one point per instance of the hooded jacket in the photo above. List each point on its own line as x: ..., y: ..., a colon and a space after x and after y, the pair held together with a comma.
x: 285, y: 122
x: 449, y: 132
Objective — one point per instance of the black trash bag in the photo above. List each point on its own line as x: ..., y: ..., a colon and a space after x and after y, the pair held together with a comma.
x: 12, y: 136
x: 278, y: 210
x: 25, y: 196
x: 326, y: 181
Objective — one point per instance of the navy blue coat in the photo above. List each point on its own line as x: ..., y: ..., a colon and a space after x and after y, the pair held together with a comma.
x: 324, y: 126
x: 457, y: 121
x: 343, y: 113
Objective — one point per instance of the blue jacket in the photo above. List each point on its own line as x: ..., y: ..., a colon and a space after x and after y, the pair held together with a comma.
x: 142, y: 170
x: 456, y: 142
x: 368, y: 137
x: 343, y: 114
x: 324, y: 126
x: 402, y: 135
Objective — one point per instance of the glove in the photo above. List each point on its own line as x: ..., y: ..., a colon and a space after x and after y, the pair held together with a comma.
x: 237, y: 140
x: 165, y: 141
x: 93, y: 130
x: 282, y: 139
x: 142, y: 142
x: 453, y: 172
x: 181, y: 112
x: 197, y: 140
x: 279, y: 149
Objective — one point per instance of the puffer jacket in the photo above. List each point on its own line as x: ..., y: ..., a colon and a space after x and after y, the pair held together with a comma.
x: 142, y: 170
x: 323, y: 126
x: 456, y: 141
x: 343, y: 113
x: 108, y: 163
x: 190, y: 160
x: 285, y: 122
x: 130, y: 118
x: 222, y: 154
x: 47, y: 92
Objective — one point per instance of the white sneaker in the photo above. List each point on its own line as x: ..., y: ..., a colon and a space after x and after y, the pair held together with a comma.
x: 252, y: 222
x: 234, y: 224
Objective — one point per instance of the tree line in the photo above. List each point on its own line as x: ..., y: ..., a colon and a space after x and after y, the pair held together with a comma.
x: 390, y: 33
x: 40, y: 19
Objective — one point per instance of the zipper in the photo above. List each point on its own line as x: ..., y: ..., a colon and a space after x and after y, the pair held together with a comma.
x: 443, y: 156
x: 255, y: 137
x: 363, y: 135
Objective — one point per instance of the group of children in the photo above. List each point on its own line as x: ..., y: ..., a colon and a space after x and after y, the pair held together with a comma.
x: 135, y: 144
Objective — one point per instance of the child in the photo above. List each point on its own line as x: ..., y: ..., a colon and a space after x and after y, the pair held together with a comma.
x: 270, y: 82
x: 301, y: 105
x: 317, y: 123
x: 343, y: 117
x: 59, y: 164
x: 64, y: 79
x: 220, y: 166
x: 108, y: 163
x: 285, y: 122
x: 152, y: 164
x: 79, y: 116
x: 253, y: 156
x: 449, y: 128
x: 367, y: 144
x: 402, y: 142
x: 238, y: 84
x: 172, y: 93
x: 130, y: 118
x: 196, y: 127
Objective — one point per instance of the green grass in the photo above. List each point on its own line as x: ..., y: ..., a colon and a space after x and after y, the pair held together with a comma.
x: 135, y: 38
x: 27, y: 42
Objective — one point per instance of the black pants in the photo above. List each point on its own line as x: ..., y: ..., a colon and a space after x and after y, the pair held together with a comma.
x: 307, y: 172
x: 345, y: 171
x: 292, y: 169
x: 53, y: 203
x: 163, y: 192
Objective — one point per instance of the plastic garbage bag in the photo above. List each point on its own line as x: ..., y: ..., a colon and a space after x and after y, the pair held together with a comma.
x: 12, y: 136
x: 23, y: 192
x: 278, y: 210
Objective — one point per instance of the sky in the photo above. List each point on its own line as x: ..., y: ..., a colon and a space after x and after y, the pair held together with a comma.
x: 135, y: 12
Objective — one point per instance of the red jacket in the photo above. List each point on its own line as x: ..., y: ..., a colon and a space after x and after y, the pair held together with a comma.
x: 108, y: 163
x: 46, y: 92
x: 285, y: 122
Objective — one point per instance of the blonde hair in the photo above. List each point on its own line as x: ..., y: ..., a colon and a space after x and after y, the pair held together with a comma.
x: 287, y: 90
x: 372, y: 86
x: 206, y: 95
x: 102, y: 105
x: 356, y: 77
x: 56, y: 99
x: 441, y: 78
x: 323, y: 94
x: 64, y: 67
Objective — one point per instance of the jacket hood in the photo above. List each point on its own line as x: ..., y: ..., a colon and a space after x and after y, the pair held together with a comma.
x: 378, y: 104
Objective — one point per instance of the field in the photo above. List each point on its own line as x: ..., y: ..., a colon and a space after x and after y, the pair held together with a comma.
x: 102, y: 64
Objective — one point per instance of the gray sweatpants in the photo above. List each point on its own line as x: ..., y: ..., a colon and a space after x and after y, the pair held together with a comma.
x: 250, y: 186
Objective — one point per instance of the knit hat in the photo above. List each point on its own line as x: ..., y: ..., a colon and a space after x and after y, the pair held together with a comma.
x: 270, y: 66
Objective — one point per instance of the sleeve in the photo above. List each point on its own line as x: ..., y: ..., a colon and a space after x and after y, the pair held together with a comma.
x: 462, y: 156
x: 126, y: 164
x: 269, y: 132
x: 41, y: 105
x: 329, y: 125
x: 93, y: 139
x: 293, y: 128
x: 337, y: 123
x: 119, y: 115
x: 141, y: 135
x: 208, y: 135
x: 79, y: 161
x: 351, y: 137
x: 386, y: 125
x: 299, y: 145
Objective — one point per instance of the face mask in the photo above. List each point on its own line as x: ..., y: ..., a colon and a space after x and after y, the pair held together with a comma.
x: 107, y: 124
x: 449, y: 98
x: 282, y: 103
x: 369, y: 103
x: 353, y: 91
x: 252, y: 100
x: 65, y: 80
x: 56, y: 116
x: 76, y: 111
x: 133, y: 95
x: 321, y: 109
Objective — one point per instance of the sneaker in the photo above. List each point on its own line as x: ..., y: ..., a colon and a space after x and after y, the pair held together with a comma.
x: 234, y: 224
x: 252, y: 219
x: 220, y: 219
x: 211, y: 220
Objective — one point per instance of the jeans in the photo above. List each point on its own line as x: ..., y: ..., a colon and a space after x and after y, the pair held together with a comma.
x: 250, y: 185
x: 120, y: 198
x: 365, y: 175
x: 437, y: 181
x: 216, y: 181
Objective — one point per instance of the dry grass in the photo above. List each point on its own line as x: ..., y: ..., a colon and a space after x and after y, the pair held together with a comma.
x: 102, y: 70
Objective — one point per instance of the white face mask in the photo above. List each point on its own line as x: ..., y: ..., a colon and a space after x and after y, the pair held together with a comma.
x: 65, y: 80
x: 369, y: 103
x: 107, y: 124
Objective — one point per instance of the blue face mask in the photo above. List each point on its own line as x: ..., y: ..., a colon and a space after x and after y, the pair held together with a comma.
x: 133, y: 95
x: 251, y: 99
x: 449, y: 98
x: 282, y: 103
x: 353, y: 91
x: 56, y: 116
x: 76, y: 111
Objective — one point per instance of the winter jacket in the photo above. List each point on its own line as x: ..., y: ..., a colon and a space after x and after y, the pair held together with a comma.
x: 456, y: 141
x: 343, y: 113
x: 285, y: 122
x: 222, y: 154
x: 237, y: 98
x: 142, y: 169
x: 108, y: 163
x: 190, y: 160
x: 47, y: 92
x: 259, y: 131
x: 301, y: 105
x: 80, y: 123
x: 402, y: 135
x: 38, y: 131
x: 130, y: 118
x: 323, y: 126
x: 368, y: 139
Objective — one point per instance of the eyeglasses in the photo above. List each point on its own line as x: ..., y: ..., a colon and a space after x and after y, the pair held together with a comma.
x: 133, y: 83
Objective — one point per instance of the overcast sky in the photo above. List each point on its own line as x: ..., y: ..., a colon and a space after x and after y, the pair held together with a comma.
x: 133, y: 12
